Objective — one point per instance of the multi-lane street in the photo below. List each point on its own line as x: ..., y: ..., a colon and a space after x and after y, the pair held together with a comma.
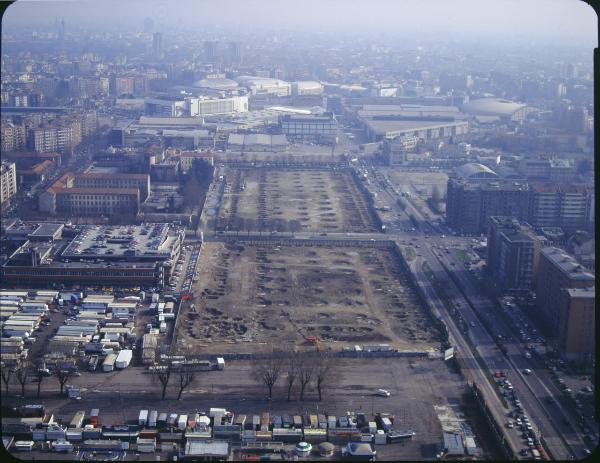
x: 553, y: 423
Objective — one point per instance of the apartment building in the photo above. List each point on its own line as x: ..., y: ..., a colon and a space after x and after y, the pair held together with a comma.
x: 8, y: 182
x: 557, y: 311
x: 13, y: 137
x: 470, y: 204
x: 577, y: 322
x: 513, y: 253
x: 564, y: 205
x: 60, y: 135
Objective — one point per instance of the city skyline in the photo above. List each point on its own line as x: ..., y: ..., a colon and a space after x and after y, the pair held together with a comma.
x: 548, y: 21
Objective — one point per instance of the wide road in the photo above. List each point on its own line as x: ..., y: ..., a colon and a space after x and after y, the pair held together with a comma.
x: 561, y: 439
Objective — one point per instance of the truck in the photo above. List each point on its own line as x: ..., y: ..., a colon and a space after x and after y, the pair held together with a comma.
x: 123, y: 359
x: 220, y: 363
x: 109, y: 363
x: 62, y: 446
x: 30, y: 411
x: 77, y: 421
x: 152, y: 418
x: 182, y: 422
x: 143, y: 417
x: 93, y: 363
x: 264, y: 421
x: 24, y: 445
x: 95, y: 417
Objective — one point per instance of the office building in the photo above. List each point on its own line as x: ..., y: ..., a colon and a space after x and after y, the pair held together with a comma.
x: 555, y: 170
x: 559, y: 311
x: 564, y: 205
x: 513, y: 253
x: 8, y: 182
x: 215, y: 106
x: 322, y: 128
x: 211, y: 51
x: 157, y: 45
x: 475, y: 193
x: 577, y: 322
x: 174, y: 106
x: 236, y: 52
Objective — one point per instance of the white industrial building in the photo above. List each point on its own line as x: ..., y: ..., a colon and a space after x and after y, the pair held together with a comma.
x: 490, y: 109
x: 307, y: 87
x: 265, y: 85
x: 238, y: 142
x: 171, y: 106
x: 212, y: 106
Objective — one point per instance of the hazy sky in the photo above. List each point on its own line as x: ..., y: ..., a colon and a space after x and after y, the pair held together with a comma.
x: 500, y: 20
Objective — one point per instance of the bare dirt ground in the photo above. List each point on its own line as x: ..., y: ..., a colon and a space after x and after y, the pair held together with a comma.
x: 280, y: 295
x: 294, y: 200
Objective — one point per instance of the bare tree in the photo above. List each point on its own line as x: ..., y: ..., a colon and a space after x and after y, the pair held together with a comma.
x: 64, y: 372
x: 267, y: 371
x: 22, y: 372
x: 306, y: 370
x: 436, y: 196
x: 291, y: 371
x: 40, y: 375
x: 7, y: 372
x: 161, y: 373
x: 186, y: 374
x: 323, y: 371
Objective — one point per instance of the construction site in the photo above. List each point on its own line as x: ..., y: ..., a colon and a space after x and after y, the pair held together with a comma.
x: 254, y: 295
x: 295, y: 200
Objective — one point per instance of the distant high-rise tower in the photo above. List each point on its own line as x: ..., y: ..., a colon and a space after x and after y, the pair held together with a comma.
x: 211, y: 51
x: 148, y: 25
x: 235, y: 52
x: 157, y: 45
x: 61, y: 30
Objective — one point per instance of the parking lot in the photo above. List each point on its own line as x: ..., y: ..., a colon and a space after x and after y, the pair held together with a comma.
x: 416, y: 386
x: 185, y: 269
